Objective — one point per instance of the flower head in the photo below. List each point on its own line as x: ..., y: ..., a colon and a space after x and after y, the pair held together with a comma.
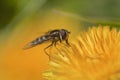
x: 94, y: 56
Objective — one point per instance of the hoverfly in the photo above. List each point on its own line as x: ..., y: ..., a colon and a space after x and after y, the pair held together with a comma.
x: 53, y: 35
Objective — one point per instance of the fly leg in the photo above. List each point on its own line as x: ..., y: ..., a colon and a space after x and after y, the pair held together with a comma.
x: 67, y: 42
x: 55, y: 42
x: 58, y: 48
x: 47, y: 48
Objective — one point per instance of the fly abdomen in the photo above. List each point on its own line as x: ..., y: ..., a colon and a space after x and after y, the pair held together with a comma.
x: 37, y: 41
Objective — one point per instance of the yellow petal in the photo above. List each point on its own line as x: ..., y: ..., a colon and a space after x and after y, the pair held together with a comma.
x: 94, y: 56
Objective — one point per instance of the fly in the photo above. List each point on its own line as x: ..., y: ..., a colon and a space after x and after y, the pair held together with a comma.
x: 57, y: 35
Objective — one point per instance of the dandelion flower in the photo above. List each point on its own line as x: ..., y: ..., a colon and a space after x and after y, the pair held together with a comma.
x: 95, y: 55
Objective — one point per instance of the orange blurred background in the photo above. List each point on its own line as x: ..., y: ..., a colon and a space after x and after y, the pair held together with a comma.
x: 19, y: 64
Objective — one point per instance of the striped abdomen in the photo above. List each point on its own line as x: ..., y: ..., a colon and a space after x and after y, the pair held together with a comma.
x: 37, y: 41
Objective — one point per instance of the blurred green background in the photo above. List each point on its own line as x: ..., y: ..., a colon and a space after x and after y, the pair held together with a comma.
x: 99, y: 11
